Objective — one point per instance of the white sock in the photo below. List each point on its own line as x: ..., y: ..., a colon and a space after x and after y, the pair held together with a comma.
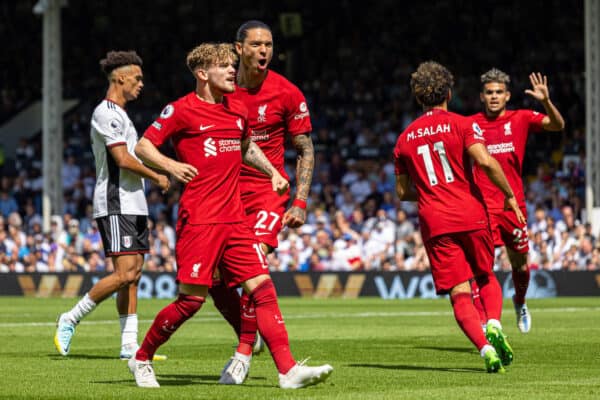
x: 85, y: 306
x: 495, y: 322
x: 129, y: 328
x: 486, y: 348
x: 243, y: 357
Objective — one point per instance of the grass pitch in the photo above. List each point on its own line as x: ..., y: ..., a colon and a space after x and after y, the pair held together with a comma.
x: 380, y: 349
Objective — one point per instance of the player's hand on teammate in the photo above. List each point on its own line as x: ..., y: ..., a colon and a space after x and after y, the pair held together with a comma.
x: 163, y: 182
x: 280, y: 184
x: 539, y: 87
x: 510, y: 203
x: 294, y: 217
x: 183, y: 172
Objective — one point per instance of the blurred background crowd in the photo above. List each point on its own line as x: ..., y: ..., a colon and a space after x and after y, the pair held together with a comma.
x: 354, y: 70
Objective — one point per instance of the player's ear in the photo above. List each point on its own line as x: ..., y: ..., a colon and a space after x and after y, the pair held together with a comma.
x: 238, y: 48
x: 449, y: 96
x: 507, y: 95
x: 201, y: 74
x: 481, y: 97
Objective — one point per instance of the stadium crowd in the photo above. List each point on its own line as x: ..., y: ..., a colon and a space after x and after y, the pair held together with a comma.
x: 358, y: 106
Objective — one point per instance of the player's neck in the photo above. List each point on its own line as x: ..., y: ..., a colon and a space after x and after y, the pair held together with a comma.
x: 115, y: 96
x: 204, y: 93
x: 250, y: 79
x: 495, y: 114
x: 443, y: 107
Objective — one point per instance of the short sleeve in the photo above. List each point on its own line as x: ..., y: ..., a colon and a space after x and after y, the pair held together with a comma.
x: 165, y: 125
x: 111, y: 126
x: 399, y: 165
x: 297, y: 115
x: 471, y: 132
x: 534, y: 119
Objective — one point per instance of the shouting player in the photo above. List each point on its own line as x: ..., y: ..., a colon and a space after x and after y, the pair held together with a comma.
x: 211, y: 138
x: 276, y: 108
x: 120, y: 207
x: 505, y: 133
x: 434, y: 153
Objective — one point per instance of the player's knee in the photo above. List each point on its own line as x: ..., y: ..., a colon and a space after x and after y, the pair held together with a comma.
x: 128, y: 277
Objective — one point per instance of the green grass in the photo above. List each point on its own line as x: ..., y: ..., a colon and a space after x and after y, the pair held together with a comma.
x: 409, y: 349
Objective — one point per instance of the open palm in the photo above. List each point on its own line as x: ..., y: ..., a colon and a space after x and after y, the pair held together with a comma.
x: 539, y: 87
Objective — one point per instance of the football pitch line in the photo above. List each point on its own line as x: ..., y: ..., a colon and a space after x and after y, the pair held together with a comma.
x: 212, y: 316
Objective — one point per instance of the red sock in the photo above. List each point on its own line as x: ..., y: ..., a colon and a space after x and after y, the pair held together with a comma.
x: 467, y: 318
x: 227, y: 301
x: 490, y: 295
x: 521, y: 283
x: 167, y: 321
x: 249, y: 325
x: 271, y: 325
x: 477, y: 303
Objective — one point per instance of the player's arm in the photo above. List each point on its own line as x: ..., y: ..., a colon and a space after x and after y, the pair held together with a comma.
x: 404, y: 189
x: 127, y: 161
x: 492, y: 168
x: 305, y: 165
x: 253, y: 156
x: 149, y: 154
x: 553, y: 121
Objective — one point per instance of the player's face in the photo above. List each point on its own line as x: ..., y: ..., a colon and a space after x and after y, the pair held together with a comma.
x: 256, y: 51
x: 222, y: 76
x: 133, y: 82
x: 494, y: 97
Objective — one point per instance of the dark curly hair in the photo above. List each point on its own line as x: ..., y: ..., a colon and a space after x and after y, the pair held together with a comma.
x: 430, y: 83
x: 116, y: 59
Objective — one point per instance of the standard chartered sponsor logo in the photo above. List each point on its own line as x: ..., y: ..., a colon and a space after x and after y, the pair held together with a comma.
x: 507, y: 147
x: 209, y: 147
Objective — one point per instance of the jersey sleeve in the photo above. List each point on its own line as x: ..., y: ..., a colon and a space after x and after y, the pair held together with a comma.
x: 399, y: 166
x: 534, y: 119
x: 297, y: 115
x: 164, y: 126
x: 471, y: 132
x: 111, y: 126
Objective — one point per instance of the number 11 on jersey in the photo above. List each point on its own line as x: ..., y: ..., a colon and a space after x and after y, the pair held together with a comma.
x: 424, y: 152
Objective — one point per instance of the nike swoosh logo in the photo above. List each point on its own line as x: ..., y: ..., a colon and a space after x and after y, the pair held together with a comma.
x: 203, y: 128
x: 257, y: 233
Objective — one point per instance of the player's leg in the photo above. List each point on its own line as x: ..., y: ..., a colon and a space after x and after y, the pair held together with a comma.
x: 480, y: 255
x: 517, y: 245
x: 127, y: 309
x: 244, y: 263
x: 452, y: 272
x: 271, y: 325
x: 520, y: 276
x: 166, y: 322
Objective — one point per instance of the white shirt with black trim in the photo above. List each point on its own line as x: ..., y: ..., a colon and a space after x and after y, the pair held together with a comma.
x: 118, y: 190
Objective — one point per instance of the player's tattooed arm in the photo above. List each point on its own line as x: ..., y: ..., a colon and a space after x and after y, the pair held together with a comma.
x: 253, y: 156
x: 305, y: 164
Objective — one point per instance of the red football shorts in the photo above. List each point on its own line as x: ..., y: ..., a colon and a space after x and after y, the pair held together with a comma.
x: 507, y: 231
x: 458, y: 257
x: 264, y: 211
x: 232, y: 248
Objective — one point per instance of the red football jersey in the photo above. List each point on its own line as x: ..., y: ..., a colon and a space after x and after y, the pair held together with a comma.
x: 275, y: 108
x: 207, y: 136
x: 506, y: 138
x: 432, y: 151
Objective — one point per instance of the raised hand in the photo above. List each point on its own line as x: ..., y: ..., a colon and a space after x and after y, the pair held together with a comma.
x: 539, y: 87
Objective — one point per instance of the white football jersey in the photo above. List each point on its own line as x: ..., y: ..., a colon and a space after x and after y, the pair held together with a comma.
x: 118, y: 190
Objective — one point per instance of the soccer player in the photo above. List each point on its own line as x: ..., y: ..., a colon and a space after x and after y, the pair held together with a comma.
x: 119, y: 203
x: 505, y: 133
x: 276, y: 109
x: 211, y: 138
x: 434, y: 153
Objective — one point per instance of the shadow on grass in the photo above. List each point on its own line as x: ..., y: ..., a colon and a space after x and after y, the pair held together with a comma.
x: 81, y: 357
x: 418, y: 368
x: 450, y: 349
x: 184, y: 380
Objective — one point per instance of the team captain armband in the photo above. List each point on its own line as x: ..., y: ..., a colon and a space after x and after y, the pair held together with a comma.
x: 299, y: 203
